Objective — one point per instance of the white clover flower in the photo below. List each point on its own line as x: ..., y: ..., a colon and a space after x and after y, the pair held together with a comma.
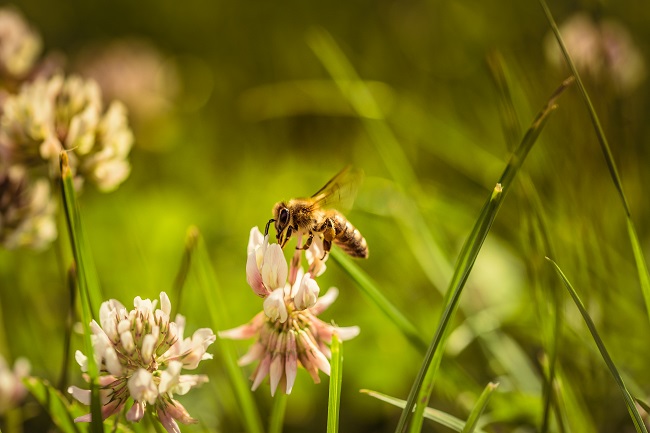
x: 12, y: 390
x: 53, y: 114
x: 20, y: 44
x: 140, y: 354
x: 287, y: 331
x: 603, y: 50
x: 27, y: 211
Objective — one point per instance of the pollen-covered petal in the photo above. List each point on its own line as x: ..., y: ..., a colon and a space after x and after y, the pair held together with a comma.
x: 274, y: 306
x: 307, y: 293
x: 113, y: 364
x: 274, y: 268
x: 82, y: 360
x: 136, y: 412
x: 148, y: 343
x: 325, y: 301
x: 126, y: 338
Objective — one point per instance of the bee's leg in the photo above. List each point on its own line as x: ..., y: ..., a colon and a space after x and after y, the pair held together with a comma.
x: 307, y: 242
x: 268, y: 224
x: 329, y: 233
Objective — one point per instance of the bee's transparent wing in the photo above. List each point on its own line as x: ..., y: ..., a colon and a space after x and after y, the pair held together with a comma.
x: 340, y: 191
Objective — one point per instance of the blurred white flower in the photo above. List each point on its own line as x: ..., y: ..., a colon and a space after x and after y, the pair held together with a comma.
x: 20, y: 45
x: 134, y: 72
x: 140, y: 354
x: 53, y: 114
x: 12, y: 390
x: 287, y: 331
x: 603, y: 50
x: 27, y: 210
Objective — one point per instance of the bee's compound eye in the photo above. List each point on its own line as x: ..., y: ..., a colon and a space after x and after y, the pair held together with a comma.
x: 284, y: 217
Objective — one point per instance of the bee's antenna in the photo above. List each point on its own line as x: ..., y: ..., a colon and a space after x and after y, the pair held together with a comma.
x: 266, y: 230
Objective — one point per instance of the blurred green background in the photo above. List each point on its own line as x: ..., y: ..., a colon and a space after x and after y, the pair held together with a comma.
x: 252, y: 117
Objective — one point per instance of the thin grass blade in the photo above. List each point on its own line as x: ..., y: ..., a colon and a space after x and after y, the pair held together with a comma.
x: 479, y: 407
x: 54, y: 403
x: 216, y: 307
x: 276, y: 421
x: 639, y: 258
x: 336, y: 379
x: 372, y: 292
x: 421, y: 388
x: 629, y: 400
x: 87, y: 282
x: 434, y: 415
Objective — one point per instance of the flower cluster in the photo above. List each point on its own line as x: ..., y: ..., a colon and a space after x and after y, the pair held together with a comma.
x: 603, y: 50
x: 288, y: 332
x: 140, y: 354
x: 12, y: 390
x: 43, y: 113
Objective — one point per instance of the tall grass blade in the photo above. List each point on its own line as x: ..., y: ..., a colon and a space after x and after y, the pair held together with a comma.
x: 276, y: 421
x: 434, y: 415
x: 336, y: 379
x: 421, y: 389
x: 69, y: 323
x: 54, y: 403
x: 183, y: 273
x: 629, y: 400
x: 372, y: 292
x: 479, y: 407
x: 639, y: 258
x: 211, y: 292
x: 87, y: 282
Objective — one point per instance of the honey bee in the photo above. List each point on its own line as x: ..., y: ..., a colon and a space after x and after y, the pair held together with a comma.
x: 316, y: 216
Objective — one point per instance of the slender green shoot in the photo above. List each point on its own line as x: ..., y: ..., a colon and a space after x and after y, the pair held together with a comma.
x: 479, y: 407
x: 421, y: 389
x: 183, y: 272
x: 629, y: 400
x: 437, y: 416
x: 336, y: 379
x: 639, y: 258
x: 371, y: 291
x: 87, y: 282
x: 56, y: 405
x: 214, y: 302
x: 70, y: 319
x: 276, y: 420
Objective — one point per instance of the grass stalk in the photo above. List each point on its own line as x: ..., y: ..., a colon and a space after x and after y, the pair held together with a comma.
x: 629, y: 400
x: 479, y: 407
x: 336, y: 379
x: 276, y: 420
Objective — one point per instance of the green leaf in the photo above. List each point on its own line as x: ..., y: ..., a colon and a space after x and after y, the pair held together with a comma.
x: 212, y: 295
x: 88, y: 283
x: 336, y: 379
x: 629, y: 401
x: 434, y: 415
x: 479, y: 407
x: 54, y: 403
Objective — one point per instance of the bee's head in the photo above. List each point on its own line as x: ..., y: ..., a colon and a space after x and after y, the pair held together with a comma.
x: 282, y: 216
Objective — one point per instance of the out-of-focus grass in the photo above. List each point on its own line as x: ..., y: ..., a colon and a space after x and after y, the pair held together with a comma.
x: 217, y: 162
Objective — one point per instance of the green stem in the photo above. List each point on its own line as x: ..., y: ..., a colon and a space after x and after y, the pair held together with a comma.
x: 276, y: 421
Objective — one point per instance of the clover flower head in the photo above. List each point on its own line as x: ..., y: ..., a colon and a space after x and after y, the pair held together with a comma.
x: 603, y: 50
x: 53, y: 114
x: 288, y: 332
x: 27, y: 210
x: 140, y: 354
x: 12, y: 390
x: 20, y: 44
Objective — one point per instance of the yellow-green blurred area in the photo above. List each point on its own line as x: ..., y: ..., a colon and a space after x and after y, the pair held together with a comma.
x: 249, y: 114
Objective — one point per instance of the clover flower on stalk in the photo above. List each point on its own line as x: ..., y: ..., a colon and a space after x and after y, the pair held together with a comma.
x: 288, y: 331
x: 140, y: 354
x: 53, y: 114
x: 20, y: 45
x: 12, y: 390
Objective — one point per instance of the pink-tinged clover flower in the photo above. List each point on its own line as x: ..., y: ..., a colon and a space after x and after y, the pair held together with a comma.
x: 288, y: 332
x: 12, y: 390
x: 140, y: 354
